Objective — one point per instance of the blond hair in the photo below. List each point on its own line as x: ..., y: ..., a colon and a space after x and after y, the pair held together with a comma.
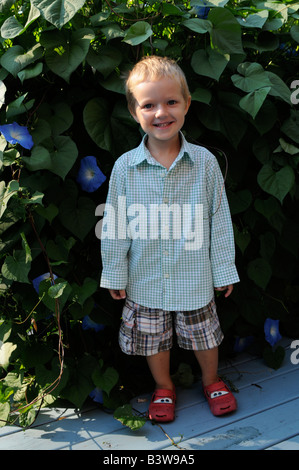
x: 152, y: 68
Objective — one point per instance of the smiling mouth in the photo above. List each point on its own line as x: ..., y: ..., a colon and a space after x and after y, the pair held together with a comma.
x: 163, y: 124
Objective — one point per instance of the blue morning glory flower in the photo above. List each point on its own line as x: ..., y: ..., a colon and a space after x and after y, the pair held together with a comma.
x: 202, y: 12
x: 36, y: 282
x: 242, y: 343
x: 89, y: 324
x: 16, y: 134
x: 97, y: 395
x: 90, y: 177
x: 271, y: 330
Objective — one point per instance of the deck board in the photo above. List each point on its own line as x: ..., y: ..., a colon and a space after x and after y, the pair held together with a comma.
x: 267, y: 418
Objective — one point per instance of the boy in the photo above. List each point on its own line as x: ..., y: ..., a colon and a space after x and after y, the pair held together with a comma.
x: 167, y: 259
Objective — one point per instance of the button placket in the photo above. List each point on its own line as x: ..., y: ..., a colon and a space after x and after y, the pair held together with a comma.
x: 165, y: 243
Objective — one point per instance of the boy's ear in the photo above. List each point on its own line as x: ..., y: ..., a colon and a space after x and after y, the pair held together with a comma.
x: 188, y: 104
x: 133, y: 114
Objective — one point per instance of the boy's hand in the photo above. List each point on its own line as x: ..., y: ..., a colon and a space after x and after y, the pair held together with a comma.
x: 117, y: 294
x: 228, y: 289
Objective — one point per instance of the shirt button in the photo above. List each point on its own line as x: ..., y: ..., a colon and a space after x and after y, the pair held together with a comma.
x: 166, y: 275
x: 165, y: 252
x: 166, y: 200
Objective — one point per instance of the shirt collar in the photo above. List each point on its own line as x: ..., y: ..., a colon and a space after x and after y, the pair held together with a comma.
x: 142, y: 153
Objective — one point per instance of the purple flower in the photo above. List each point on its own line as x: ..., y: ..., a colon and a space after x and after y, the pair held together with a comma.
x: 97, y: 395
x: 88, y: 324
x: 16, y: 134
x: 36, y: 282
x: 242, y: 343
x: 271, y: 330
x: 202, y: 12
x: 90, y: 177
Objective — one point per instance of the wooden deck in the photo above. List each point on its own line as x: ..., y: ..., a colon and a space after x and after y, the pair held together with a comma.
x: 267, y: 418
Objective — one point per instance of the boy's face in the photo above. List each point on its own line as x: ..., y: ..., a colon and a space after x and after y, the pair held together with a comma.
x: 160, y: 109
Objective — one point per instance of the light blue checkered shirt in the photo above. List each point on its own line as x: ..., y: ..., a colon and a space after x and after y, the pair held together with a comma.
x: 161, y: 269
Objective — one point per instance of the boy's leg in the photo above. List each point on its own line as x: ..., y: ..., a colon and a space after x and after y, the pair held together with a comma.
x: 159, y: 365
x: 208, y: 361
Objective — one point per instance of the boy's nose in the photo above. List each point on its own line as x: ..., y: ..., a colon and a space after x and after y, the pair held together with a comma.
x: 161, y: 111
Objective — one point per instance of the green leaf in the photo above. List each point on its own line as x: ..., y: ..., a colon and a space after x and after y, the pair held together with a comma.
x: 115, y: 131
x: 96, y: 117
x: 4, y: 413
x: 295, y: 33
x: 81, y: 293
x: 78, y: 216
x: 5, y: 330
x: 16, y: 58
x: 290, y: 127
x: 239, y: 201
x: 105, y: 59
x: 16, y: 268
x: 253, y: 102
x: 271, y: 210
x: 288, y: 148
x: 57, y: 117
x: 209, y: 63
x: 259, y: 271
x: 59, y: 250
x: 26, y: 248
x: 58, y: 12
x: 60, y: 160
x: 49, y: 212
x: 2, y: 93
x: 12, y: 28
x: 27, y: 417
x: 46, y: 376
x: 105, y: 380
x: 49, y: 299
x: 252, y: 77
x: 169, y: 9
x: 278, y: 87
x: 125, y: 415
x: 242, y: 238
x: 198, y: 25
x: 183, y: 377
x: 64, y: 51
x: 138, y: 33
x: 255, y: 20
x: 31, y: 72
x: 274, y: 358
x: 6, y: 350
x: 202, y: 95
x: 276, y: 183
x: 79, y: 384
x: 57, y: 290
x: 226, y: 32
x: 6, y: 193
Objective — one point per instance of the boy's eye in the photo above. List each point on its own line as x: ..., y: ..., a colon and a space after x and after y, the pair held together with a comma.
x: 147, y: 106
x: 171, y: 102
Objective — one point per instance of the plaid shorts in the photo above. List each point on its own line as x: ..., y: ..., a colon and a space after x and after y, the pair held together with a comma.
x: 146, y: 331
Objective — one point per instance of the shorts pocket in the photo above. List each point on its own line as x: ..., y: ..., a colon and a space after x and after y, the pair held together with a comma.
x: 127, y: 331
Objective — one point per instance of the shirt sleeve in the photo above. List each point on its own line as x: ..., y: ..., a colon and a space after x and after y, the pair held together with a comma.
x: 115, y: 243
x: 222, y: 245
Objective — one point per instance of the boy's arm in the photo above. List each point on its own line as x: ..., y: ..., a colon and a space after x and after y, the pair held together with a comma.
x: 222, y: 248
x: 115, y: 243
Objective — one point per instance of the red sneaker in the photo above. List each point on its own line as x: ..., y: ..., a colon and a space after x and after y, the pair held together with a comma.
x: 220, y: 398
x: 162, y: 406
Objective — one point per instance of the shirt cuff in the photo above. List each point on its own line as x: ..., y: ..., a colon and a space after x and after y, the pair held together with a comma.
x: 225, y: 277
x: 112, y: 283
